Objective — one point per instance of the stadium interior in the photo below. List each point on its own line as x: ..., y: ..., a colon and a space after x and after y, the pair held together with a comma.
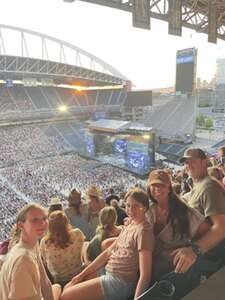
x: 64, y: 125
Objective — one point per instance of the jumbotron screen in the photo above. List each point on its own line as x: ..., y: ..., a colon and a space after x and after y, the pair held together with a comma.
x: 138, y: 152
x: 120, y: 146
x: 138, y: 143
x: 131, y: 152
x: 186, y: 70
x: 135, y: 147
x: 138, y: 160
x: 90, y: 146
x: 138, y: 98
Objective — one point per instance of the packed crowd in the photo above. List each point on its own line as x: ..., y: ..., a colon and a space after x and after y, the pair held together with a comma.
x: 27, y: 142
x: 10, y: 203
x: 41, y: 179
x: 173, y: 227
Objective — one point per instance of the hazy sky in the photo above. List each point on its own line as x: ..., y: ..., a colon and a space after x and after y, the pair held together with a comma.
x: 145, y: 57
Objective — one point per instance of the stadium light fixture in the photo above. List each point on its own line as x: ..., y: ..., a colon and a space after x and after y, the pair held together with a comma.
x: 63, y: 108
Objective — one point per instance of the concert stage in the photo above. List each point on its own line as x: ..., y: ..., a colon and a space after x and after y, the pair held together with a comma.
x: 122, y: 144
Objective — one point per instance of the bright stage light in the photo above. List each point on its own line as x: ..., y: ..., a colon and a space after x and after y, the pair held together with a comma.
x: 63, y: 108
x: 79, y: 88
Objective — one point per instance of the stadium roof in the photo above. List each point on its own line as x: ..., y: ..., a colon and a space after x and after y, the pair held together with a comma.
x: 25, y: 69
x: 37, y: 55
x: 207, y: 16
x: 119, y: 126
x: 108, y: 125
x: 139, y: 127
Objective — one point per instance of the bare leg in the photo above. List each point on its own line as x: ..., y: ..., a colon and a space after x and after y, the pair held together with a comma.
x: 87, y: 290
x: 56, y: 290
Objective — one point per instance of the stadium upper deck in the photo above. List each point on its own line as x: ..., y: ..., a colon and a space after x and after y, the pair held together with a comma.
x: 40, y: 57
x: 39, y: 74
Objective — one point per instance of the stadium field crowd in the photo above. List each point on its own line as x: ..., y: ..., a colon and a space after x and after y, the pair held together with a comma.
x: 105, y: 229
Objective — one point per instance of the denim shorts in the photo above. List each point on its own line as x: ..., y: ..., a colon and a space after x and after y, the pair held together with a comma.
x: 115, y: 288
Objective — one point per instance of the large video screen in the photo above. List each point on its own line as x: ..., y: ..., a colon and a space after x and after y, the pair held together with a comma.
x: 185, y: 70
x: 138, y: 160
x: 135, y: 147
x: 120, y: 146
x: 138, y: 143
x: 138, y: 152
x: 90, y: 146
x: 138, y: 98
x: 130, y: 152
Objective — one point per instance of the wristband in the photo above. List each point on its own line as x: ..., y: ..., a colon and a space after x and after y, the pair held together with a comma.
x: 196, y: 249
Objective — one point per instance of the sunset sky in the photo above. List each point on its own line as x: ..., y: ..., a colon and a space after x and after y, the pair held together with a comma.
x: 146, y: 57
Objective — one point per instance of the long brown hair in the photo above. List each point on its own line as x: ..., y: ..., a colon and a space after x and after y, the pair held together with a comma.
x: 60, y: 230
x: 178, y: 214
x: 138, y: 195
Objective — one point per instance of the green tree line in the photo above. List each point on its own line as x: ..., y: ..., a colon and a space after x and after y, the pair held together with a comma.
x: 204, y: 122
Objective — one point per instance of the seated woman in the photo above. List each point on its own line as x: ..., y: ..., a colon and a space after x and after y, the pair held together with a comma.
x: 77, y: 214
x: 95, y: 204
x: 132, y: 251
x: 23, y: 275
x: 106, y: 229
x: 175, y: 224
x: 61, y: 248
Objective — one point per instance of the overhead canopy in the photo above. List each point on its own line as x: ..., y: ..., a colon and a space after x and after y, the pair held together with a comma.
x: 114, y: 126
x: 207, y: 16
x: 108, y: 125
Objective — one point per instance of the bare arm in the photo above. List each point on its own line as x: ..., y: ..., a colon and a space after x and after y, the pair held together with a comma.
x: 107, y: 243
x: 46, y: 287
x: 202, y: 229
x: 215, y: 234
x: 145, y: 268
x: 185, y: 257
x: 99, y: 262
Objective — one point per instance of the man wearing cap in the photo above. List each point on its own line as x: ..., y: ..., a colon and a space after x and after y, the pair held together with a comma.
x: 206, y: 254
x: 207, y: 196
x: 221, y: 159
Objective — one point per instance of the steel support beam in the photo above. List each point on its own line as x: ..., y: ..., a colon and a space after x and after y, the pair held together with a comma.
x: 198, y: 15
x: 141, y: 14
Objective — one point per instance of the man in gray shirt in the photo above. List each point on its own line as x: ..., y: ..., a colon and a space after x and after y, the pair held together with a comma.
x: 205, y: 255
